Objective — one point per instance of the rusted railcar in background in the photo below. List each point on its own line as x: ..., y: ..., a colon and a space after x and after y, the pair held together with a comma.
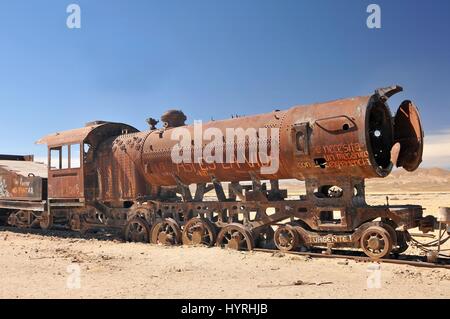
x: 110, y: 175
x: 23, y: 190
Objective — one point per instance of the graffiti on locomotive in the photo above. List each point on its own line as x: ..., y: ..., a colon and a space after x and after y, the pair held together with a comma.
x: 212, y: 146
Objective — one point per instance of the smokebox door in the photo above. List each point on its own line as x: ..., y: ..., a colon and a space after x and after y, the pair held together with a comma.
x: 409, y: 133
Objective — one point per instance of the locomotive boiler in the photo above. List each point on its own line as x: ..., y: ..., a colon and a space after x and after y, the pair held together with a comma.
x: 355, y: 137
x: 218, y: 183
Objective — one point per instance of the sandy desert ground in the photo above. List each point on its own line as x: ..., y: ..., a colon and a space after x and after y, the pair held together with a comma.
x: 36, y: 265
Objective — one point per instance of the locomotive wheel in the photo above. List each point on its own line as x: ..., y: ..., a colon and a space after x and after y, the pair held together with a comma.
x: 401, y: 242
x: 376, y: 242
x: 137, y: 230
x: 46, y: 221
x: 390, y: 227
x: 166, y: 232
x: 199, y: 231
x: 235, y: 236
x: 286, y: 238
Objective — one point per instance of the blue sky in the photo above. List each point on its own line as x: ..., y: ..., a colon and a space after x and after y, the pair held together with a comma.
x: 136, y: 59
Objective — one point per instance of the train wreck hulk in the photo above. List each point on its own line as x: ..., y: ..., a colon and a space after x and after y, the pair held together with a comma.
x: 111, y: 175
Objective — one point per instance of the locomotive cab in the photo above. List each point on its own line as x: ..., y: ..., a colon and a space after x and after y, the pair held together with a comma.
x: 71, y: 175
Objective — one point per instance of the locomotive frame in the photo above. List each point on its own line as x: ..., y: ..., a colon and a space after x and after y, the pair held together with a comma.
x: 97, y: 179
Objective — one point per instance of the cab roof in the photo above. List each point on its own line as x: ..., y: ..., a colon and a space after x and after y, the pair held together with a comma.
x: 92, y: 133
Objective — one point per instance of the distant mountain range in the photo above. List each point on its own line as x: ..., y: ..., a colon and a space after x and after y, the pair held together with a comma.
x: 399, y: 181
x: 422, y: 180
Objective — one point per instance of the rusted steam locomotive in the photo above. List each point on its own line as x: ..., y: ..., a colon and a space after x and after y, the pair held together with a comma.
x: 110, y: 175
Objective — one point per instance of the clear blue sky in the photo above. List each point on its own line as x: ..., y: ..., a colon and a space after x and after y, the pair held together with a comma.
x: 134, y: 59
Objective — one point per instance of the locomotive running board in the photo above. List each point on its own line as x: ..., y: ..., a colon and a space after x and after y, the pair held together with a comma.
x: 23, y: 205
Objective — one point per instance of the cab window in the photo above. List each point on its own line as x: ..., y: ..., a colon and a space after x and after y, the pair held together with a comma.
x: 75, y: 153
x: 65, y: 157
x: 55, y: 158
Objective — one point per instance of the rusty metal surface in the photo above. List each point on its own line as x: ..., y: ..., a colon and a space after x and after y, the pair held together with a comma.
x: 90, y: 133
x: 28, y: 205
x: 67, y: 137
x: 338, y: 140
x: 21, y: 180
x: 118, y: 169
x: 409, y: 133
x: 66, y: 184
